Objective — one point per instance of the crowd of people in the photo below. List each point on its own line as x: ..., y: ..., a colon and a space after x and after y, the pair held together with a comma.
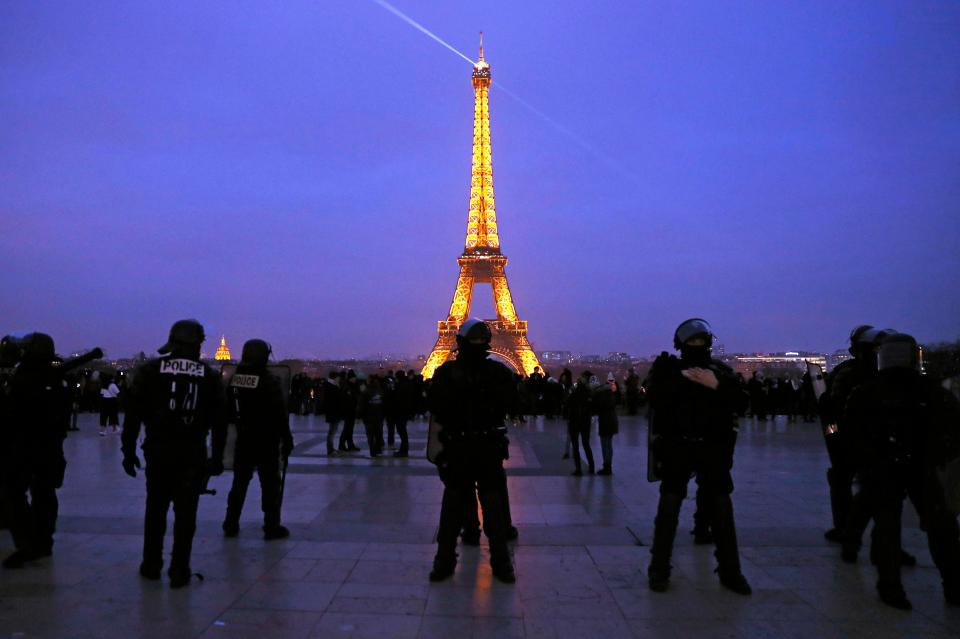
x: 888, y: 429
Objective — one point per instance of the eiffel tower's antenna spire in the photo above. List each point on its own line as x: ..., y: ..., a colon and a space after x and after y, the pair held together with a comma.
x: 482, y: 236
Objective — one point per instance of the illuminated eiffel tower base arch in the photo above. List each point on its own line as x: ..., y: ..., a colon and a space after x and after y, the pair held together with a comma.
x: 482, y: 262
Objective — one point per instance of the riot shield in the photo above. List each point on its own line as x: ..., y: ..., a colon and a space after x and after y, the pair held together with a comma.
x: 280, y: 371
x: 816, y: 379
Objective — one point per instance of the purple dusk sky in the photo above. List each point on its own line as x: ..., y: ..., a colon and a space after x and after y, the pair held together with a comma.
x: 299, y: 170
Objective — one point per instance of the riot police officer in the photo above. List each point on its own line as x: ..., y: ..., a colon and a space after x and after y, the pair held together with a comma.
x: 851, y: 514
x: 256, y: 405
x: 844, y: 378
x: 179, y: 400
x: 695, y: 400
x: 41, y: 406
x: 470, y: 397
x: 904, y: 426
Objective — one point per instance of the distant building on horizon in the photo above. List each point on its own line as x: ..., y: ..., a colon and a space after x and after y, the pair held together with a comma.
x: 223, y: 351
x: 789, y: 361
x: 561, y: 357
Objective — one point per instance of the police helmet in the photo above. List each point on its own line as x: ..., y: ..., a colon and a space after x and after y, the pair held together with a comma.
x: 474, y: 332
x: 256, y: 352
x: 187, y: 332
x: 874, y: 336
x: 898, y: 350
x: 857, y: 333
x: 691, y: 328
x: 38, y: 346
x: 10, y: 349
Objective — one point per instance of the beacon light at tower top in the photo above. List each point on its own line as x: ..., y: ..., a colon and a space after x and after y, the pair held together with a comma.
x: 583, y: 144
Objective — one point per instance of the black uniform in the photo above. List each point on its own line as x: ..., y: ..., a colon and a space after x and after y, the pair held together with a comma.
x: 257, y: 407
x: 40, y: 407
x: 36, y: 461
x: 904, y: 426
x: 471, y: 397
x: 840, y: 445
x: 694, y: 430
x: 179, y: 400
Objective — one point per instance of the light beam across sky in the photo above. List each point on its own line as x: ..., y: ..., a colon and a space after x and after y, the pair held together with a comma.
x: 540, y: 114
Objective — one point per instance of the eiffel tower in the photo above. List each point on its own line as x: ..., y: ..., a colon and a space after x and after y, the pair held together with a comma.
x: 482, y: 262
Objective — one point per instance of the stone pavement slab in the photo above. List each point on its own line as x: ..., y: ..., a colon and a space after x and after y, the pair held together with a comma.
x: 362, y: 543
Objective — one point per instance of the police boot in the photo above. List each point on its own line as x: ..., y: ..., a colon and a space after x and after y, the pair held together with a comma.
x: 893, y: 595
x: 271, y: 521
x: 501, y: 563
x: 275, y: 531
x: 443, y: 564
x: 664, y: 530
x: 150, y: 571
x: 179, y: 576
x: 727, y: 553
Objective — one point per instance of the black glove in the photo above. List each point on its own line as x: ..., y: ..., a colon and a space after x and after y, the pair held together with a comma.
x: 130, y: 464
x: 214, y: 467
x: 287, y: 447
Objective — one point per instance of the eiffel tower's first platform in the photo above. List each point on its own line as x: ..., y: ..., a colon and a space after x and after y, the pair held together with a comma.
x: 482, y: 262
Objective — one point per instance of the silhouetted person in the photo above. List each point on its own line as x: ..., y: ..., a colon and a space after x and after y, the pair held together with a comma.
x: 349, y: 401
x: 109, y: 404
x: 905, y: 426
x: 179, y: 400
x: 758, y: 396
x: 371, y: 412
x: 695, y: 400
x: 332, y: 409
x: 605, y: 408
x: 470, y: 398
x: 579, y: 413
x: 840, y: 447
x: 256, y: 405
x: 41, y: 405
x: 632, y: 384
x: 401, y: 410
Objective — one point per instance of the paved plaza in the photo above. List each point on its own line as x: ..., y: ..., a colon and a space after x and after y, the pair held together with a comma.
x: 356, y: 564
